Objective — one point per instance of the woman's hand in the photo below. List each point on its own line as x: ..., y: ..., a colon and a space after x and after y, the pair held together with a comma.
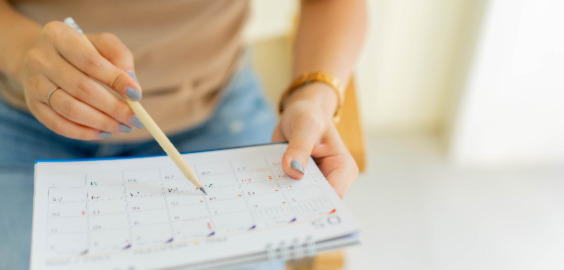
x: 307, y: 124
x: 81, y: 108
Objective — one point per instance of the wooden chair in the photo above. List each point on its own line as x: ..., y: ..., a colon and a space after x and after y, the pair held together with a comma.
x: 350, y: 127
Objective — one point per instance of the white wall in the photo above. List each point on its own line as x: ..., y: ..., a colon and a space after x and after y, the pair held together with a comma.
x: 512, y: 110
x: 270, y: 19
x: 406, y: 60
x: 420, y: 72
x: 401, y: 71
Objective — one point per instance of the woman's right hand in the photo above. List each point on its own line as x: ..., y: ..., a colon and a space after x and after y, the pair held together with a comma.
x: 81, y: 108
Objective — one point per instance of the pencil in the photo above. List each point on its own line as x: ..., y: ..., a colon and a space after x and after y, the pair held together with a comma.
x: 152, y: 127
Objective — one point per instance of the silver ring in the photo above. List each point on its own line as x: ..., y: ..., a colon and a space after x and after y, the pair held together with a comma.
x: 50, y: 93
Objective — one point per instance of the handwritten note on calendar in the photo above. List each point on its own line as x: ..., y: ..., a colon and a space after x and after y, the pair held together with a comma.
x: 112, y: 213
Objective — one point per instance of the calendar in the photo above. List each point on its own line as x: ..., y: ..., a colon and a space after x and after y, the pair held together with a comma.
x: 142, y: 213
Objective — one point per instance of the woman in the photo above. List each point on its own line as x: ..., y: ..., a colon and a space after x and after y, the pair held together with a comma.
x: 197, y: 85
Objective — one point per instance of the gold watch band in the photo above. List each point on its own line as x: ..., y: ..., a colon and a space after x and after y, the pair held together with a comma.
x: 311, y: 77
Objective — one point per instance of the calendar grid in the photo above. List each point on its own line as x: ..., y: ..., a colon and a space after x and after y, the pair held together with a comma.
x: 248, y: 194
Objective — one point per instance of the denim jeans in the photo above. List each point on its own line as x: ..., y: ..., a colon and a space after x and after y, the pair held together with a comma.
x: 243, y: 117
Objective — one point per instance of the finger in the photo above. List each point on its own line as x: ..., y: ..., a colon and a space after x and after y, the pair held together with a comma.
x: 335, y: 161
x: 341, y: 179
x: 111, y: 48
x: 304, y: 135
x: 331, y: 144
x: 83, y: 114
x: 277, y: 135
x: 62, y: 126
x: 85, y: 57
x: 89, y: 91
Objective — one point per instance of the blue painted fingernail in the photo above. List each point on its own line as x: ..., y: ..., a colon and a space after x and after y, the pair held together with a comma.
x: 296, y: 165
x: 134, y: 120
x: 105, y: 135
x: 133, y: 93
x: 125, y: 128
x: 132, y: 74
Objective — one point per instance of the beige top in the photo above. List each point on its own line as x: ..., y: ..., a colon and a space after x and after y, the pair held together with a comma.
x: 184, y: 51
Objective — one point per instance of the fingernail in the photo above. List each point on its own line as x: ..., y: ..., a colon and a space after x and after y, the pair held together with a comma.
x: 297, y: 166
x: 133, y: 93
x: 125, y: 128
x: 105, y: 135
x: 134, y: 120
x: 132, y: 74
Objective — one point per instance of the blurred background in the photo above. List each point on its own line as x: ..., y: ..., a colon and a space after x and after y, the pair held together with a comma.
x: 462, y: 107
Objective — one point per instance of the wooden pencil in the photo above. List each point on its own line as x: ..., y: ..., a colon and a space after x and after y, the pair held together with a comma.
x: 153, y: 128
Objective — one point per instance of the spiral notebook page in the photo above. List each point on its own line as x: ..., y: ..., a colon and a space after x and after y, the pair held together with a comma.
x: 142, y: 213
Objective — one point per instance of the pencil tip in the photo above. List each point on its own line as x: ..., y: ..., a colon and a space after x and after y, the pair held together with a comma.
x: 203, y: 190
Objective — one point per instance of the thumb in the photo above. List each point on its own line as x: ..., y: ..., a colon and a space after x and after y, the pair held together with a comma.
x: 303, y: 138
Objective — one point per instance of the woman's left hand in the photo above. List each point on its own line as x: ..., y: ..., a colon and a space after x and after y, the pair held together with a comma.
x: 307, y: 125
